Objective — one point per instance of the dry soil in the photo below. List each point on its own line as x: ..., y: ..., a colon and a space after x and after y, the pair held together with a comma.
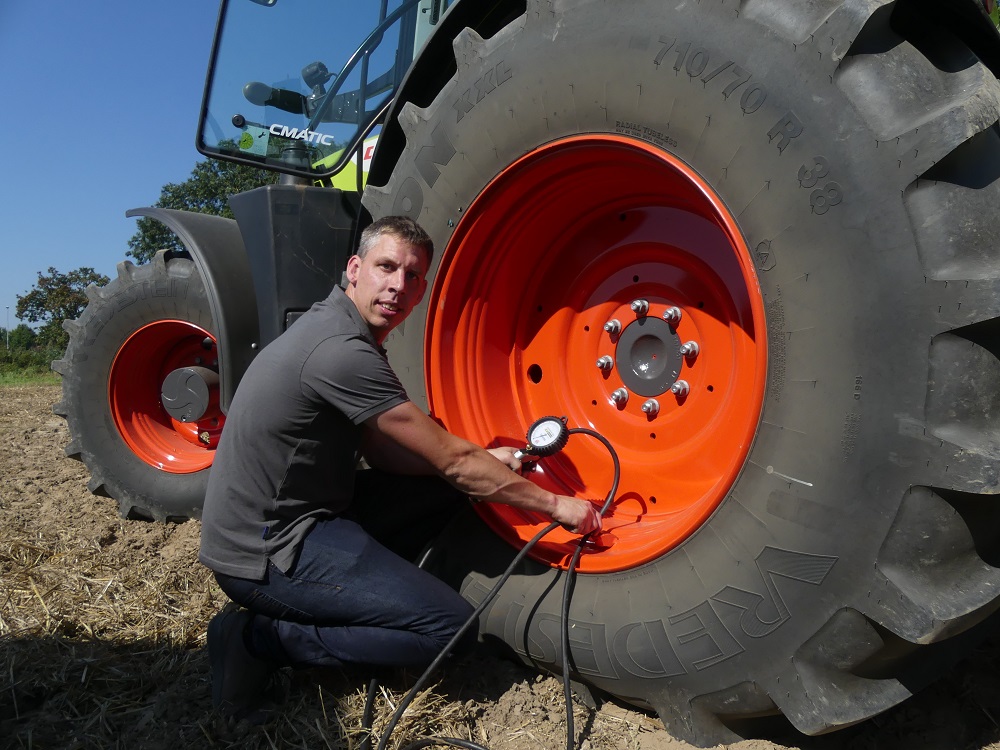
x: 102, y: 644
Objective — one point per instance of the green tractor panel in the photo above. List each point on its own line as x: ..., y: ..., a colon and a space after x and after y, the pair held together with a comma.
x: 751, y: 242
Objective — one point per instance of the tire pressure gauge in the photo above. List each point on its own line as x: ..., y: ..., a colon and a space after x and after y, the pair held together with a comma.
x: 547, y: 436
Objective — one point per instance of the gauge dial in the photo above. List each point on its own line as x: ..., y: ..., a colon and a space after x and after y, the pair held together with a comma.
x: 547, y: 436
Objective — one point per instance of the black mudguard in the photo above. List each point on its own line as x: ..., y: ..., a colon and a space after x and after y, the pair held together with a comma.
x: 217, y: 249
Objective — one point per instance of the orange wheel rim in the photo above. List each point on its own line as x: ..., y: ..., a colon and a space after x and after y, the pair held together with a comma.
x: 562, y: 242
x: 137, y: 374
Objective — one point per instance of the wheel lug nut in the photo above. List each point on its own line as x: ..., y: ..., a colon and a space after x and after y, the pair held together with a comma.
x: 690, y: 349
x: 605, y: 363
x: 619, y: 397
x: 680, y: 388
x: 672, y: 315
x: 613, y: 326
x: 651, y: 407
x: 640, y: 306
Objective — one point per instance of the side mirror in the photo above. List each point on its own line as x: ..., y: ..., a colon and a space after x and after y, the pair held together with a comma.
x: 265, y: 96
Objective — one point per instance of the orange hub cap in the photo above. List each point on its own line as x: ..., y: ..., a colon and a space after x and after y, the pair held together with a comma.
x: 137, y: 374
x: 601, y: 279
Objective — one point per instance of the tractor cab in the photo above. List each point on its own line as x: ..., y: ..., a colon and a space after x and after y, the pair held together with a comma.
x: 298, y: 86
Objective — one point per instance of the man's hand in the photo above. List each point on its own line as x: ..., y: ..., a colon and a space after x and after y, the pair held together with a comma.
x: 506, y: 455
x: 579, y: 516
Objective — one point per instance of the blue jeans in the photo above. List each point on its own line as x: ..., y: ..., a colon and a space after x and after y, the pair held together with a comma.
x: 351, y: 598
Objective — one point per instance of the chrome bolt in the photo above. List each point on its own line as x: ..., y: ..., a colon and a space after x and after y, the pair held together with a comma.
x: 690, y: 349
x: 605, y: 363
x: 613, y: 326
x: 205, y: 437
x: 651, y: 407
x: 619, y: 398
x: 672, y: 315
x: 680, y: 388
x: 640, y: 306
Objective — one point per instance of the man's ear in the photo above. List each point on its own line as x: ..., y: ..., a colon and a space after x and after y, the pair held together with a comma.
x: 352, y: 269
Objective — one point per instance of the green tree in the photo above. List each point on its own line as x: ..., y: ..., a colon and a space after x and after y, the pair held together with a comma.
x: 206, y: 191
x: 54, y: 298
x: 22, y: 338
x: 24, y: 355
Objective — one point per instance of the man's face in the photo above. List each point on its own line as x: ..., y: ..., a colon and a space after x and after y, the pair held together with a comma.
x: 387, y: 283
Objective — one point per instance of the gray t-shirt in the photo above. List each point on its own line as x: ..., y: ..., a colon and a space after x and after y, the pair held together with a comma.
x: 289, y: 449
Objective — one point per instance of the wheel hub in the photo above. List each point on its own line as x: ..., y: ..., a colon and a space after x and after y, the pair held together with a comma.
x: 648, y: 356
x: 635, y: 264
x: 188, y: 393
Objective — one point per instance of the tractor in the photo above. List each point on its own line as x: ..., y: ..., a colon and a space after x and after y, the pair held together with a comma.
x: 753, y: 243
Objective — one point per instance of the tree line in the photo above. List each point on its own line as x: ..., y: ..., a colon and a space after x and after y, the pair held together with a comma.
x: 57, y: 296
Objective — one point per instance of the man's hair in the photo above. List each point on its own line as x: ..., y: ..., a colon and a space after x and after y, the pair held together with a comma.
x: 403, y: 228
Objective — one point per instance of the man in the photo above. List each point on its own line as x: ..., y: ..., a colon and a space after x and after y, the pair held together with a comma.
x: 315, y: 551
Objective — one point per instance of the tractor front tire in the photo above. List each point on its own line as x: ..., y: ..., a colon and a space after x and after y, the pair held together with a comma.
x: 149, y: 321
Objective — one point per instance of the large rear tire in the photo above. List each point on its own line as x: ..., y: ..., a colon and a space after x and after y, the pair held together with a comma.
x: 148, y: 322
x: 814, y: 185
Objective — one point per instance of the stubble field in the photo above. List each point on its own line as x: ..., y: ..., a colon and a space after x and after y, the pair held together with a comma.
x: 102, y: 645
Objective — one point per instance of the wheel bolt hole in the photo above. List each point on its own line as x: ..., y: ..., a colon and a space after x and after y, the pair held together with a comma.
x: 652, y: 498
x: 701, y: 305
x: 711, y: 388
x: 535, y: 374
x: 594, y: 402
x: 586, y: 328
x: 635, y: 278
x: 653, y: 435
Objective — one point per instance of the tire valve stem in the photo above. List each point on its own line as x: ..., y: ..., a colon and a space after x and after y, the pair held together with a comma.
x: 605, y: 363
x: 619, y: 398
x: 690, y: 349
x: 640, y: 307
x: 651, y: 407
x: 680, y: 388
x: 613, y: 326
x: 672, y: 315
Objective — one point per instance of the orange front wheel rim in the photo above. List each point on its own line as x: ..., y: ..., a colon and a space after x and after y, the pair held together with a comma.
x: 601, y: 279
x: 137, y: 374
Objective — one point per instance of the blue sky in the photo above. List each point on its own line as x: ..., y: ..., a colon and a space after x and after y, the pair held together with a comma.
x: 100, y: 105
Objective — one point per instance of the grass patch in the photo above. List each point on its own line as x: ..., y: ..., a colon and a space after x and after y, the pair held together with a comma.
x: 28, y: 377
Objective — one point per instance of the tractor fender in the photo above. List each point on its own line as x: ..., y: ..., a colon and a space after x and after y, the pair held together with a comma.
x: 217, y: 249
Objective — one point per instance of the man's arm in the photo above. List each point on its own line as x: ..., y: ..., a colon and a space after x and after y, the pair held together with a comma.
x: 474, y: 470
x: 383, y: 453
